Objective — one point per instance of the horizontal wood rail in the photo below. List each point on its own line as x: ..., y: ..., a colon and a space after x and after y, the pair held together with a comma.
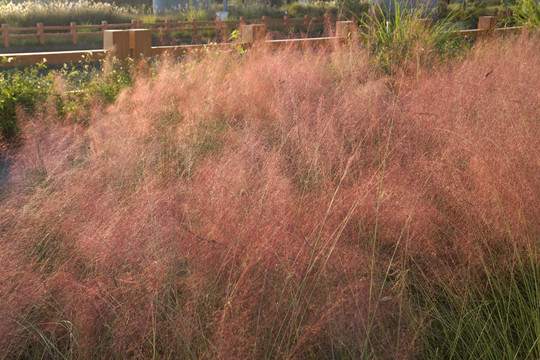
x: 164, y: 29
x: 484, y: 32
x: 182, y: 50
x: 137, y: 42
x: 53, y: 57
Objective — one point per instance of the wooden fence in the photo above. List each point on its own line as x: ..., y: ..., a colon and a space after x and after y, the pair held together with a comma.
x: 164, y: 29
x: 138, y: 42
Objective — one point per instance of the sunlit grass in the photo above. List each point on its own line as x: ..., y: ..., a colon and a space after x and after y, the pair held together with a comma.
x: 274, y: 205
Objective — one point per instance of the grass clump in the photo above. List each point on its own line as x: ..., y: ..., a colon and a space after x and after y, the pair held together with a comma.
x: 404, y: 38
x: 494, y: 315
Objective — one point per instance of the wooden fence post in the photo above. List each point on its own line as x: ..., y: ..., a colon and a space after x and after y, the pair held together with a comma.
x: 194, y: 30
x: 307, y: 23
x: 167, y: 28
x: 5, y: 34
x: 133, y: 24
x: 286, y: 23
x: 265, y: 22
x: 487, y: 23
x: 242, y: 21
x: 117, y: 41
x: 73, y: 31
x: 104, y: 25
x: 219, y: 32
x: 253, y: 33
x: 344, y: 28
x: 426, y: 23
x: 327, y: 25
x: 140, y: 42
x: 40, y: 33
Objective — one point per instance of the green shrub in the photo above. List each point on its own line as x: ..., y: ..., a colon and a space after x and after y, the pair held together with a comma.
x: 468, y: 17
x: 353, y: 9
x: 348, y: 9
x: 83, y: 82
x: 80, y: 83
x: 442, y: 10
x: 313, y: 10
x: 22, y: 88
x: 253, y: 11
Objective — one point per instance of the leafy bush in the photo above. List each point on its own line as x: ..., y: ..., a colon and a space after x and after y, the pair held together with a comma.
x: 254, y: 11
x: 346, y: 9
x: 354, y: 9
x: 22, y: 88
x: 74, y: 87
x: 467, y: 17
x: 78, y: 86
x: 312, y: 10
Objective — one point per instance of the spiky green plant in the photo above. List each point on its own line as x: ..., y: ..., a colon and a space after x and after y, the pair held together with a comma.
x: 404, y: 37
x: 527, y: 13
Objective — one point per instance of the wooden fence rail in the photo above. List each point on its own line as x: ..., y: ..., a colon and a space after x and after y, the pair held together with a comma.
x: 165, y: 29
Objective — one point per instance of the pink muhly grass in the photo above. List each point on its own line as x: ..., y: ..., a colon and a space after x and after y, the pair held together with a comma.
x: 267, y: 205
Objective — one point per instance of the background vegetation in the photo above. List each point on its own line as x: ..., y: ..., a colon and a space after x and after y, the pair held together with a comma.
x: 60, y: 12
x: 28, y: 13
x: 462, y: 14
